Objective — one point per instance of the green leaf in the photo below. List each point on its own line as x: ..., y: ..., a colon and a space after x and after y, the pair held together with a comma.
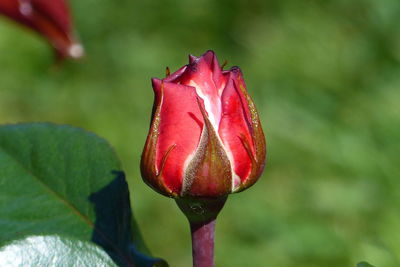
x: 63, y: 181
x: 364, y: 264
x: 53, y: 251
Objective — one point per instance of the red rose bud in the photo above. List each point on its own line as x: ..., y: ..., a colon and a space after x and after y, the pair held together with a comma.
x: 205, y: 138
x: 50, y: 18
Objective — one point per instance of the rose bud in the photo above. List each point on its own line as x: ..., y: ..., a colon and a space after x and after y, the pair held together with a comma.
x: 50, y: 18
x: 205, y: 138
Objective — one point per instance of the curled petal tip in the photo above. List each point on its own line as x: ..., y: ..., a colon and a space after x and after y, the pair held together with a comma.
x: 235, y: 69
x: 157, y: 84
x: 156, y: 81
x: 209, y: 53
x: 192, y: 59
x: 209, y: 57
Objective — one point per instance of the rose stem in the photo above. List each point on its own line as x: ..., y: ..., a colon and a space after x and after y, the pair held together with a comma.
x: 202, y: 214
x: 203, y: 243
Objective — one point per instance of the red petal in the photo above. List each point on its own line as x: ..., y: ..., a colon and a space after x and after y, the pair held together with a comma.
x: 256, y: 147
x: 237, y: 76
x: 148, y: 165
x: 206, y: 70
x: 219, y: 79
x: 233, y: 127
x: 192, y: 59
x: 175, y: 77
x: 204, y: 73
x: 180, y: 125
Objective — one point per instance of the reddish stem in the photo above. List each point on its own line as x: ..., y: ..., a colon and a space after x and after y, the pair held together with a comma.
x: 203, y: 243
x: 202, y: 214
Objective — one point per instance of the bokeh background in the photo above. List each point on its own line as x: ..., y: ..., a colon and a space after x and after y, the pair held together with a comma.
x: 325, y: 76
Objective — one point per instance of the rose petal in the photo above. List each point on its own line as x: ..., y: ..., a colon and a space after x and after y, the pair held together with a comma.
x: 180, y: 125
x: 175, y: 77
x: 205, y: 75
x: 233, y: 128
x: 257, y: 146
x: 237, y: 76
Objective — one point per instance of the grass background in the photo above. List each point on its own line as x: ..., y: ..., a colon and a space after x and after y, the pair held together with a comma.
x: 325, y: 76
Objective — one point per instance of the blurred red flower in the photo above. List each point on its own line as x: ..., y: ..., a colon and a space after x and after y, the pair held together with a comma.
x: 50, y: 18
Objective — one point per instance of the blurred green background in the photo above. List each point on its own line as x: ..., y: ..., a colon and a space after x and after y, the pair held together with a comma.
x: 325, y: 76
